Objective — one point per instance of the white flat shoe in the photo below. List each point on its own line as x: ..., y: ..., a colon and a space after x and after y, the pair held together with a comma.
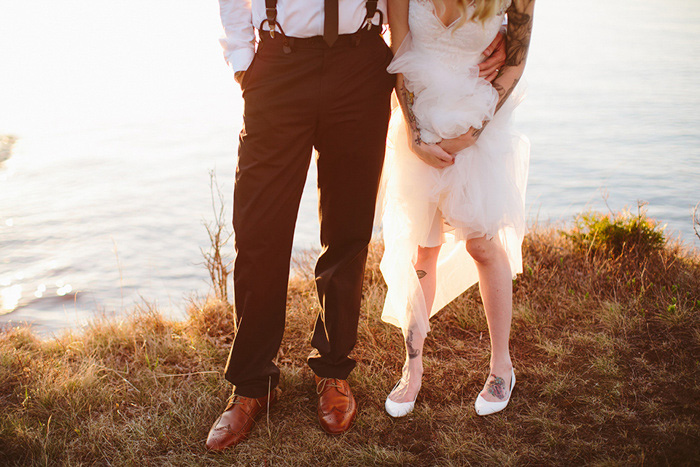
x: 484, y: 407
x: 398, y: 409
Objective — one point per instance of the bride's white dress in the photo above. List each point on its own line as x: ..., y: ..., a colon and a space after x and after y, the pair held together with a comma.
x: 481, y: 194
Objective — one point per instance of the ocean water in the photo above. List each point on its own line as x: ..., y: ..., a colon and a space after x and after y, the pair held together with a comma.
x: 122, y: 110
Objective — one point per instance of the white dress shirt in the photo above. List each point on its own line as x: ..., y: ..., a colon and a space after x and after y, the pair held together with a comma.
x: 298, y: 18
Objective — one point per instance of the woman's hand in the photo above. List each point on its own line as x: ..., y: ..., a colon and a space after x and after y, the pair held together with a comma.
x: 238, y: 76
x: 432, y: 154
x: 454, y: 145
x: 495, y: 55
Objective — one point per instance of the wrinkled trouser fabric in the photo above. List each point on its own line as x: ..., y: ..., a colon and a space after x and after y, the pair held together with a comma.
x: 336, y: 100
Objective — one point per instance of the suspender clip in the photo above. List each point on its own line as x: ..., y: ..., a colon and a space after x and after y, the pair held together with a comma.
x: 371, y: 14
x: 273, y: 26
x: 271, y: 13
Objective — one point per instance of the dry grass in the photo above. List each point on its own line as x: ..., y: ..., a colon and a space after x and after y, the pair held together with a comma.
x: 606, y: 348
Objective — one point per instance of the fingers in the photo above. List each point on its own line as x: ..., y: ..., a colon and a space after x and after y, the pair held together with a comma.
x: 500, y: 50
x: 433, y: 161
x: 442, y: 157
x: 495, y: 57
x: 447, y: 160
x: 435, y: 157
x: 500, y: 54
x: 500, y: 41
x: 451, y: 147
x: 488, y: 67
x: 455, y: 145
x: 493, y: 45
x: 491, y: 64
x: 492, y: 76
x: 442, y: 154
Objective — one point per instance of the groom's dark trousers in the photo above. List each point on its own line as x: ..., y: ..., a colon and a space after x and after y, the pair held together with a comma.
x: 299, y: 96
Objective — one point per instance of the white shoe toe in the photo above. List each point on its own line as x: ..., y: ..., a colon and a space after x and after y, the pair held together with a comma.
x: 398, y: 409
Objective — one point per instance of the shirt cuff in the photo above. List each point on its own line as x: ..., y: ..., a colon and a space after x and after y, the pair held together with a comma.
x: 240, y: 59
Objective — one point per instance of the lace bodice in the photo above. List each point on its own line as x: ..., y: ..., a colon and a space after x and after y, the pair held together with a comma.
x: 463, y: 45
x: 439, y: 64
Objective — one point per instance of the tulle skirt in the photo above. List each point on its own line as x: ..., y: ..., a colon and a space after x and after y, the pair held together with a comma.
x: 481, y: 194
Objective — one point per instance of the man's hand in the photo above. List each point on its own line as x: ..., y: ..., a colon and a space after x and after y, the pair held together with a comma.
x: 454, y: 145
x: 238, y: 76
x: 495, y: 57
x: 433, y: 155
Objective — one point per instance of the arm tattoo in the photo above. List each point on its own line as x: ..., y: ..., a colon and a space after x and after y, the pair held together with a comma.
x: 503, y: 95
x: 518, y: 38
x: 421, y: 274
x: 412, y: 352
x: 407, y: 97
x: 519, y: 33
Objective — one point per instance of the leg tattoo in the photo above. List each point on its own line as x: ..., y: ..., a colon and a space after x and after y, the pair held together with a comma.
x: 412, y: 352
x: 421, y: 274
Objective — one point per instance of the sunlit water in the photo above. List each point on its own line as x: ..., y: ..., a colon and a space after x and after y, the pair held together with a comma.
x: 122, y: 109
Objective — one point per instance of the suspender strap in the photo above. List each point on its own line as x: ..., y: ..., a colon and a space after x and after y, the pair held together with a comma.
x: 271, y: 20
x: 271, y: 10
x: 271, y: 13
x: 371, y: 7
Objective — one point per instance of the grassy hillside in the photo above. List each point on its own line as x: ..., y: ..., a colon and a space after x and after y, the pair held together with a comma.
x: 605, y: 342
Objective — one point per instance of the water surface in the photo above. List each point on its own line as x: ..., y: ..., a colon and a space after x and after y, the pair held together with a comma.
x: 122, y: 109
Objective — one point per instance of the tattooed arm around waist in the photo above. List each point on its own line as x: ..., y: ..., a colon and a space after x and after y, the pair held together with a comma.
x: 518, y: 33
x: 520, y: 16
x: 431, y: 154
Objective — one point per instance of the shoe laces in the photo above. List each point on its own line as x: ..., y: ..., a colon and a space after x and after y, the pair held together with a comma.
x: 234, y: 399
x: 324, y: 383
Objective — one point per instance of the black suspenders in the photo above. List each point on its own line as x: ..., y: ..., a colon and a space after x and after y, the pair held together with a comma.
x: 271, y: 16
x: 371, y: 7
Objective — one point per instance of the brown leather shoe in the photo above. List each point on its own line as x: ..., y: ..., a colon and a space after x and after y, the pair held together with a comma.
x: 336, y: 405
x: 238, y: 419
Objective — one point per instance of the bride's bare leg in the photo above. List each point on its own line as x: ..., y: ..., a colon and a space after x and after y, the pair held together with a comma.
x: 408, y: 387
x: 496, y: 288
